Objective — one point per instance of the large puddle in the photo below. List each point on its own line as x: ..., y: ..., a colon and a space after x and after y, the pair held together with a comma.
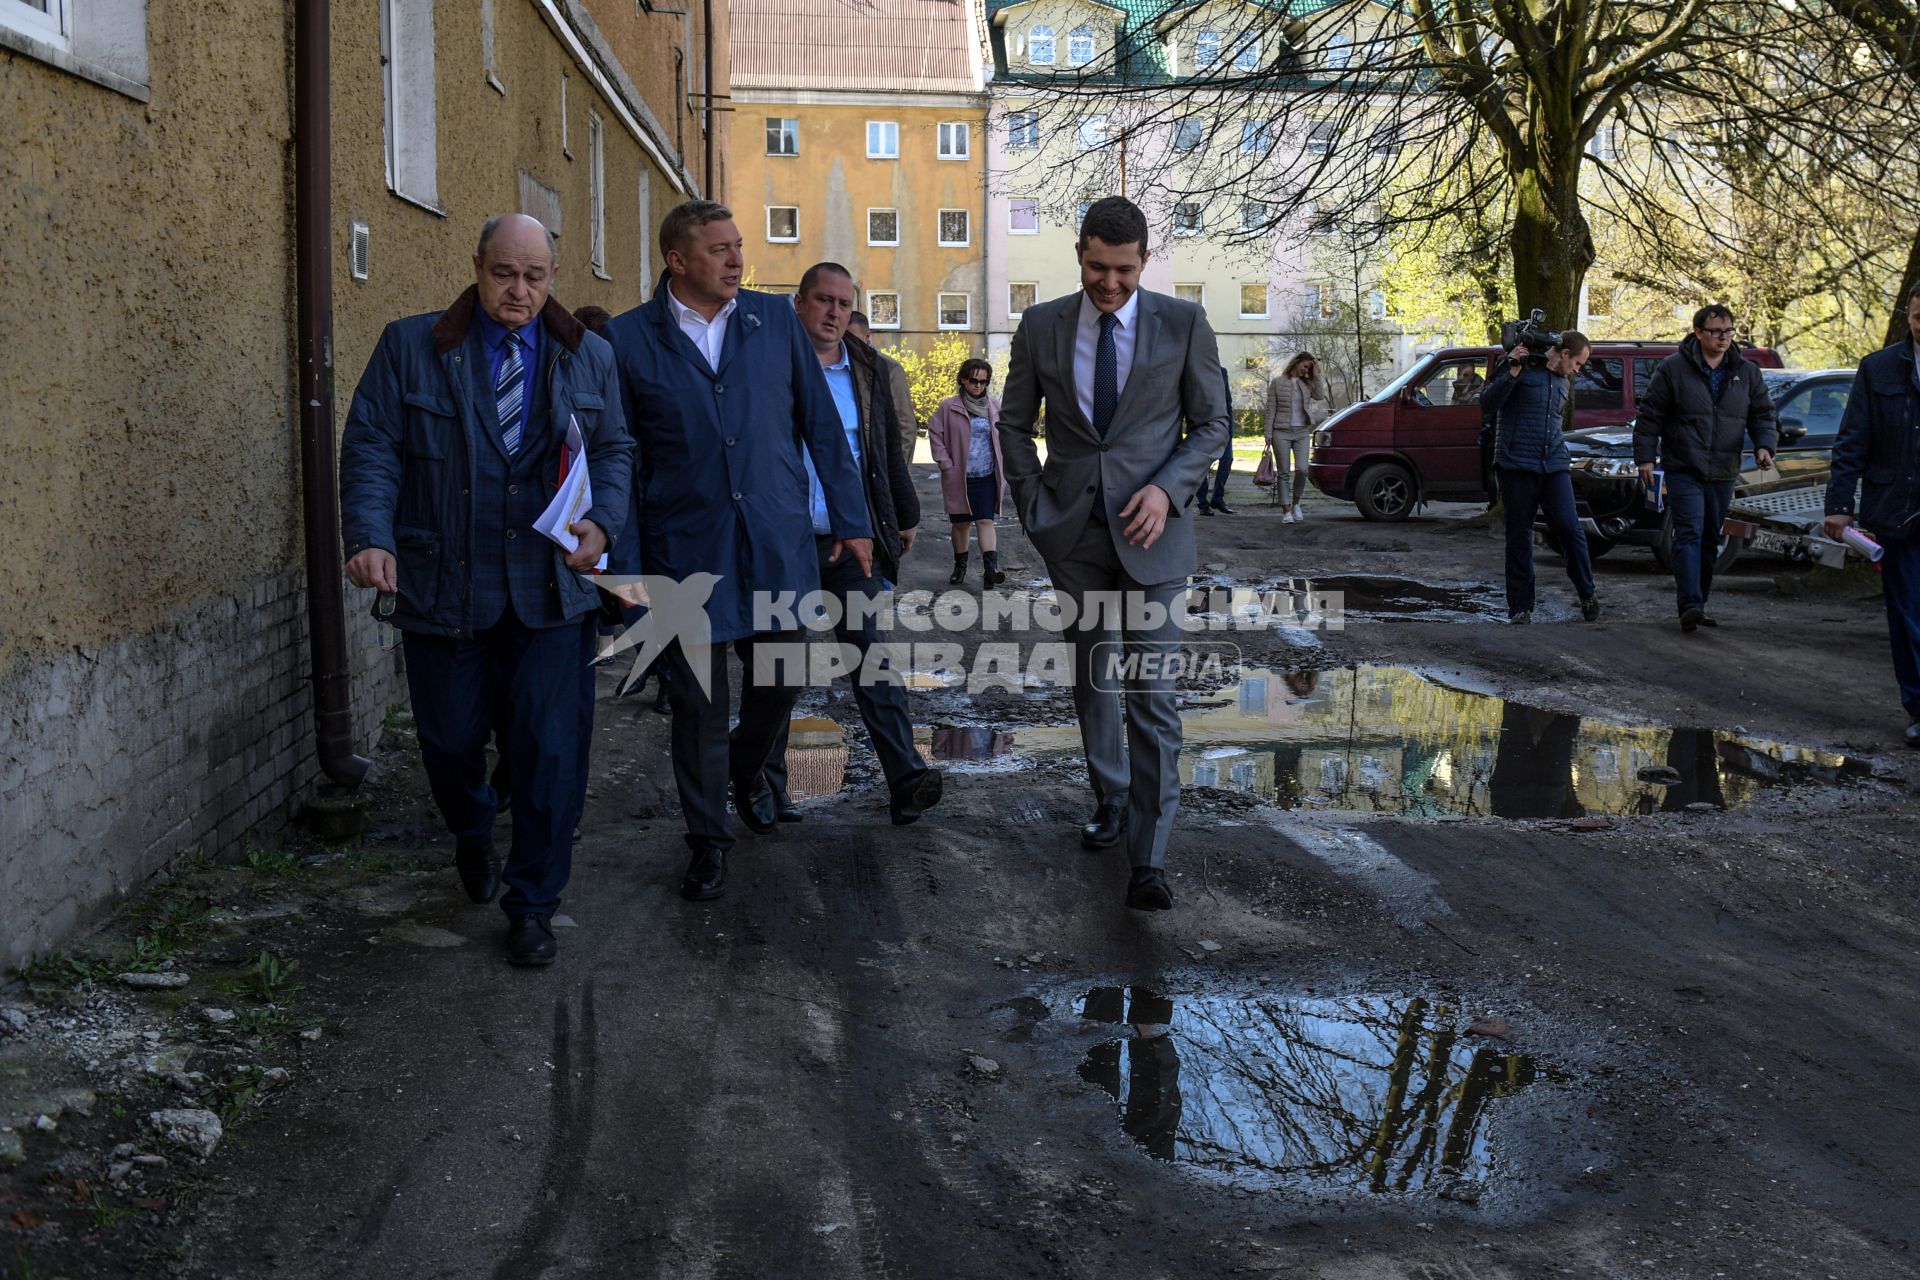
x: 1336, y: 599
x: 1370, y: 1093
x: 1382, y: 739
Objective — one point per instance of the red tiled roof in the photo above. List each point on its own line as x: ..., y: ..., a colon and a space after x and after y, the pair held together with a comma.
x: 855, y: 45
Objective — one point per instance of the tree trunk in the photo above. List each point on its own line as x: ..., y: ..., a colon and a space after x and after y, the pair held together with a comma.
x: 1551, y: 242
x: 1897, y: 323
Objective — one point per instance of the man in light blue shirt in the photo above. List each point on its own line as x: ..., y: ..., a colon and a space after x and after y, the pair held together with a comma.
x: 840, y: 382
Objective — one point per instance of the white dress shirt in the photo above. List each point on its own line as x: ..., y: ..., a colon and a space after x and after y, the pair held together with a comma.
x: 708, y: 335
x: 1086, y: 345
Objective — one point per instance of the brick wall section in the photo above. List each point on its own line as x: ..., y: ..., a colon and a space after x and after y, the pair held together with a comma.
x: 197, y: 735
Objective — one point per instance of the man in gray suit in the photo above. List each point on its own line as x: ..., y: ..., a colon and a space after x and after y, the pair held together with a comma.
x: 1121, y: 372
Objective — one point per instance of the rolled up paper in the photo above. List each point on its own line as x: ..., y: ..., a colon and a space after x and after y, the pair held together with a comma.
x: 1863, y: 544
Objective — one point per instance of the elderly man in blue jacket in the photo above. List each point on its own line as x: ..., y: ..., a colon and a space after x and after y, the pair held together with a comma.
x: 1876, y: 482
x: 727, y: 403
x: 452, y: 449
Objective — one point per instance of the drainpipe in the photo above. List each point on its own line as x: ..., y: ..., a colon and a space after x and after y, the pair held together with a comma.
x: 319, y: 495
x: 706, y: 9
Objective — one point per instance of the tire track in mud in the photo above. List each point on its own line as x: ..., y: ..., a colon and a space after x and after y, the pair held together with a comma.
x: 569, y: 1141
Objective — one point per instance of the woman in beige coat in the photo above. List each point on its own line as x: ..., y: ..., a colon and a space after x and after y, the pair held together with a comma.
x: 965, y: 443
x: 1297, y: 402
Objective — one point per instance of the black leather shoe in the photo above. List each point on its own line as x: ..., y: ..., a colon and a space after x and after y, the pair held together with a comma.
x: 1590, y: 609
x: 1223, y: 508
x: 1524, y: 618
x: 1708, y: 620
x: 1913, y: 734
x: 1203, y: 508
x: 1109, y: 821
x: 530, y: 941
x: 478, y: 867
x: 785, y: 809
x: 1148, y: 891
x: 1690, y: 619
x: 706, y: 874
x: 920, y: 794
x: 753, y: 801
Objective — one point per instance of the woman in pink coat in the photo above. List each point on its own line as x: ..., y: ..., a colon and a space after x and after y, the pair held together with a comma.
x: 972, y: 477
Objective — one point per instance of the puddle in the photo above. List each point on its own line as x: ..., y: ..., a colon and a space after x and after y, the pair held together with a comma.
x: 1355, y: 597
x: 1377, y: 739
x: 1362, y: 1093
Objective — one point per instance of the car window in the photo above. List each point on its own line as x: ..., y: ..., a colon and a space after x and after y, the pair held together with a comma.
x: 1818, y: 409
x: 1451, y: 383
x: 1643, y: 367
x: 1598, y: 385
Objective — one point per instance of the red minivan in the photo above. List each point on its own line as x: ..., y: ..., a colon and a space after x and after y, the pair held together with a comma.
x: 1418, y: 439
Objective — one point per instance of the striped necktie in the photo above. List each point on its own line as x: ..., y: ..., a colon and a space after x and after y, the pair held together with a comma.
x: 510, y: 393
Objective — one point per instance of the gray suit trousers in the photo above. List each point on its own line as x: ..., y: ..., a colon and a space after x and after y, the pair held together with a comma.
x: 1144, y: 773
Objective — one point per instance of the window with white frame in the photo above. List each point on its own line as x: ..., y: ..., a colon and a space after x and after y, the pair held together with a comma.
x: 1206, y: 50
x: 1023, y: 217
x: 956, y: 140
x: 1040, y: 46
x: 1020, y: 296
x: 1189, y: 133
x: 1320, y: 222
x: 1604, y: 144
x: 413, y: 147
x: 883, y: 139
x: 48, y: 21
x: 956, y: 228
x: 1386, y: 139
x: 783, y: 136
x: 566, y: 138
x: 1309, y: 301
x: 1194, y: 293
x: 1339, y: 51
x: 883, y: 227
x: 1254, y: 215
x: 1023, y: 130
x: 1246, y: 54
x: 1376, y: 305
x: 1253, y: 301
x: 783, y: 223
x: 956, y: 311
x: 1255, y: 139
x: 1187, y: 220
x: 596, y: 194
x: 883, y: 310
x: 1080, y: 46
x: 1321, y: 135
x: 1091, y: 133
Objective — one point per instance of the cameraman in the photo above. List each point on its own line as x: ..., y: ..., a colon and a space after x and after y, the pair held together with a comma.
x: 1525, y: 403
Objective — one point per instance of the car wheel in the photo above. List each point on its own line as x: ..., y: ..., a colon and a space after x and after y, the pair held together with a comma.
x: 1597, y: 546
x: 1385, y: 492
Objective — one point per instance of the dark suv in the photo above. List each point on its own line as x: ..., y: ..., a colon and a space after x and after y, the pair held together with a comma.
x: 1615, y: 508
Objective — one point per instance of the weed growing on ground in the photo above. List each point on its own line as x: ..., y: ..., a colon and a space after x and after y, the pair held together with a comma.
x: 233, y: 1097
x: 271, y: 862
x: 270, y: 1021
x: 273, y: 978
x: 106, y: 1214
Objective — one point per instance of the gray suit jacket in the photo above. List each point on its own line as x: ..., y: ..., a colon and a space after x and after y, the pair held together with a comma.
x: 1174, y: 382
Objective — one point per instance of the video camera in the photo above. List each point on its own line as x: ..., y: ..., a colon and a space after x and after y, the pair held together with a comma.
x: 1533, y: 333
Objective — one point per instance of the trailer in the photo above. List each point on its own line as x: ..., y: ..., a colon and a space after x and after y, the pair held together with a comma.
x: 1786, y: 521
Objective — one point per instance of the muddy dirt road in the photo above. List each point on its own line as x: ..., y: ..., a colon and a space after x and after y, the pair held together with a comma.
x: 1501, y: 952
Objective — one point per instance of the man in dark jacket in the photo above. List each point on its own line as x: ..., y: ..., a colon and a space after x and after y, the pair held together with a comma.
x: 452, y: 445
x: 1524, y: 405
x: 859, y: 385
x: 1701, y: 405
x: 1877, y: 453
x: 728, y: 406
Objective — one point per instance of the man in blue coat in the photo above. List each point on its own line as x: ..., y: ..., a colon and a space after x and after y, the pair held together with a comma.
x: 727, y: 402
x: 452, y: 448
x: 1876, y: 457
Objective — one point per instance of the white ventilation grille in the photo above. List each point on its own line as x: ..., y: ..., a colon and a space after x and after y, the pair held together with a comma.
x: 357, y: 241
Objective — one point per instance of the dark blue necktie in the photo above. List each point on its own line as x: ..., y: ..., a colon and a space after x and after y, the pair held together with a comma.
x: 1106, y: 375
x: 510, y: 394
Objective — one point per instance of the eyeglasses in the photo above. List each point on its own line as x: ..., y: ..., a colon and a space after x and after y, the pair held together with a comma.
x: 1718, y: 333
x: 972, y: 381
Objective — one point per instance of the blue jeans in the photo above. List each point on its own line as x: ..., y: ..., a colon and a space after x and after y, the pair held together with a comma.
x: 1699, y: 508
x: 1524, y: 492
x: 1900, y: 577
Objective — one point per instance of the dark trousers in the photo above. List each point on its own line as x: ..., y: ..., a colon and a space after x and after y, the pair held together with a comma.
x: 1900, y: 578
x: 1221, y: 471
x: 882, y: 705
x: 457, y: 683
x: 1522, y: 493
x: 1697, y: 508
x: 705, y: 756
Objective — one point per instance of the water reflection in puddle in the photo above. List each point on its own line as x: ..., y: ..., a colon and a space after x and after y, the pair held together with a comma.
x: 1374, y: 1093
x: 1336, y: 599
x: 1392, y: 740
